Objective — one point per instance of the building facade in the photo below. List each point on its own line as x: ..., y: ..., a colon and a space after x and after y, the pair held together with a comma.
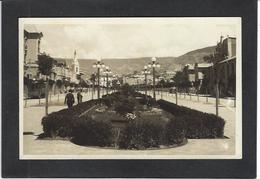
x: 222, y: 68
x: 32, y: 42
x: 66, y: 70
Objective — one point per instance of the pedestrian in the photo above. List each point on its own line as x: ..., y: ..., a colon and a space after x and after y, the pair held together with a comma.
x: 79, y: 97
x: 69, y: 99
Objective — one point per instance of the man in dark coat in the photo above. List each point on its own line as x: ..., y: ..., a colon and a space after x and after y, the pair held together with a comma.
x: 79, y: 97
x: 69, y: 99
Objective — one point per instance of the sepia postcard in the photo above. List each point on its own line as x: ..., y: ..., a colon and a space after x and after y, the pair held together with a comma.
x: 130, y: 88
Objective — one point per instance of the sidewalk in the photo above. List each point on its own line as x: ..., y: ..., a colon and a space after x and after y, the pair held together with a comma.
x: 59, y: 98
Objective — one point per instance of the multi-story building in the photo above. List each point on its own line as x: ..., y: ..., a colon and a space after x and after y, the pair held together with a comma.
x: 64, y: 69
x: 197, y: 71
x: 226, y: 66
x: 32, y: 41
x: 223, y: 66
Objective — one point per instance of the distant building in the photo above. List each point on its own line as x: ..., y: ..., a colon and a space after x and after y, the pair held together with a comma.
x: 190, y: 71
x: 139, y: 79
x: 167, y: 75
x: 68, y: 68
x: 201, y: 69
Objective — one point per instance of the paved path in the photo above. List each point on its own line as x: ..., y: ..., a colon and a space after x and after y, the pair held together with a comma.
x: 63, y: 148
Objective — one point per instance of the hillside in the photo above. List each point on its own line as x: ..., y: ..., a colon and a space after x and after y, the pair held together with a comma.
x: 195, y: 56
x: 128, y: 66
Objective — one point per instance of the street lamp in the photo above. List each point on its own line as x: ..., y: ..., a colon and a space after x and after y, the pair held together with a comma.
x: 154, y: 65
x: 145, y: 72
x: 107, y: 72
x: 99, y: 65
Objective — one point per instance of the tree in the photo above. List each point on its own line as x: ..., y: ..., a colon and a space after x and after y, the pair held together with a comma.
x: 196, y: 84
x: 162, y: 83
x: 127, y: 90
x: 45, y: 63
x: 205, y: 84
x: 181, y: 80
x: 218, y: 55
x: 115, y: 83
x: 209, y: 58
x: 59, y: 85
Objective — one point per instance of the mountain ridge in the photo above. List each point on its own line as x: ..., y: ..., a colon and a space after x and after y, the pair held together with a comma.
x: 129, y: 65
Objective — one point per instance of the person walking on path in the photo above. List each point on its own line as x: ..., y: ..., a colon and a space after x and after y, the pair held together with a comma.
x: 79, y: 97
x: 69, y: 99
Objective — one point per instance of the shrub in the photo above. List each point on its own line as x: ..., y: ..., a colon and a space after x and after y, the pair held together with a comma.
x: 175, y: 131
x: 60, y: 123
x: 127, y: 90
x: 148, y: 100
x: 110, y: 99
x: 94, y: 132
x: 199, y: 124
x: 125, y: 105
x: 142, y: 134
x: 57, y: 125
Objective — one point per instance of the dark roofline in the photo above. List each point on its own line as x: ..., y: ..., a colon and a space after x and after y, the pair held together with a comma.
x: 229, y: 38
x: 33, y: 35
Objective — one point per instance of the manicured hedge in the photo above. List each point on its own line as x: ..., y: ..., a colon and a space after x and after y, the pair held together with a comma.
x: 175, y: 131
x: 60, y: 123
x: 139, y: 133
x: 142, y: 134
x: 92, y: 132
x: 198, y: 124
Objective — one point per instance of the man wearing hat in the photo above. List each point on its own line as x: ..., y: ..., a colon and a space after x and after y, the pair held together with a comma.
x: 69, y: 99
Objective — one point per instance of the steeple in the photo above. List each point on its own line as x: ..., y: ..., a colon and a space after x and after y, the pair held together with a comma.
x: 75, y: 56
x: 76, y: 63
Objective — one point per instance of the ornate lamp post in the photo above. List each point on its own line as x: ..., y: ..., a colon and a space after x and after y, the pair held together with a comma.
x: 145, y: 72
x: 107, y: 72
x: 99, y: 65
x: 154, y: 65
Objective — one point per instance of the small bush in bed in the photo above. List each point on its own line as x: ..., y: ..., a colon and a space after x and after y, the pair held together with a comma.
x: 142, y: 134
x: 93, y: 132
x: 175, y: 131
x: 60, y: 123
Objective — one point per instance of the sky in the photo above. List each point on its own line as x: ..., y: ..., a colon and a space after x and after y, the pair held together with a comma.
x: 129, y: 37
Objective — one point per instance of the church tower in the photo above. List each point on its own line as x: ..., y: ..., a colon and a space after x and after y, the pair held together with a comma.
x: 76, y: 63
